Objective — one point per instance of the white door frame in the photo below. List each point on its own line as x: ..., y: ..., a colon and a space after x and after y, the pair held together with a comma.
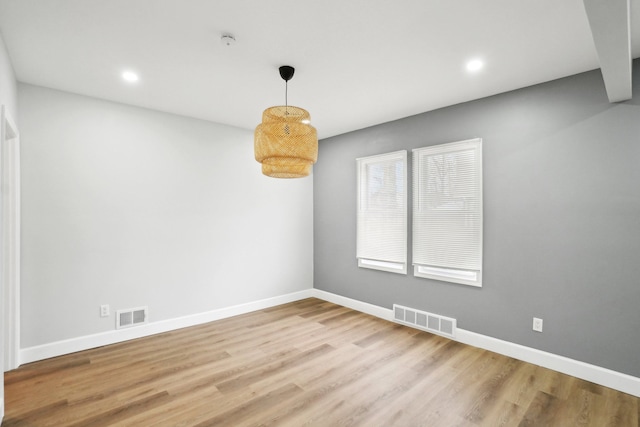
x: 10, y: 237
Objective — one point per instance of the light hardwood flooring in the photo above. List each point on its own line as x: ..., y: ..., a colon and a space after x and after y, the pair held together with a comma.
x: 308, y: 363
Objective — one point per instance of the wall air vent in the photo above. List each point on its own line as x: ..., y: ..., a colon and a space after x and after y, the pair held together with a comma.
x: 131, y: 317
x: 429, y: 322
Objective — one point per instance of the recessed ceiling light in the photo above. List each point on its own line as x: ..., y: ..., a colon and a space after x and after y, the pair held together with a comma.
x: 474, y: 65
x: 130, y: 76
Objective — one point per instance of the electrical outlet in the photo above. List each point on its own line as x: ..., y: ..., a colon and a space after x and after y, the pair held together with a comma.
x: 537, y: 324
x: 104, y: 310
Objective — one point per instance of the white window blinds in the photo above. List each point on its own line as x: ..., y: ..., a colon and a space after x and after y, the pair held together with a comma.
x: 447, y: 212
x: 382, y: 212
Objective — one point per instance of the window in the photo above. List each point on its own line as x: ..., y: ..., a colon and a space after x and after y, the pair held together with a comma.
x: 447, y: 212
x: 382, y: 212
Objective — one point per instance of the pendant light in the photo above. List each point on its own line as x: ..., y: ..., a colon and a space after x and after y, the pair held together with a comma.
x: 285, y: 142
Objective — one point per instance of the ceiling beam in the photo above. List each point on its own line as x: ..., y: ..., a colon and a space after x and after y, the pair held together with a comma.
x: 610, y: 27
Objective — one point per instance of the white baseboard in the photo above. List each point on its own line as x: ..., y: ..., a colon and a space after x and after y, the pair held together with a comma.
x: 58, y: 348
x: 595, y: 374
x: 606, y: 377
x: 364, y: 307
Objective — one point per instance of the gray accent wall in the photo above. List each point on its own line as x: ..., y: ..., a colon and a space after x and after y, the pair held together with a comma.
x: 561, y: 219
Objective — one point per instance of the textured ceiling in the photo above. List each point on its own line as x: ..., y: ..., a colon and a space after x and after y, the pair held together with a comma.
x: 358, y: 63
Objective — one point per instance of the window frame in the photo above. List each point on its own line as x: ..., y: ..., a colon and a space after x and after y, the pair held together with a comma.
x: 448, y: 273
x: 380, y: 263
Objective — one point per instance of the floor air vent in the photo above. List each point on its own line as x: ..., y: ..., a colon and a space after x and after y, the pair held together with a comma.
x: 131, y: 317
x: 429, y: 322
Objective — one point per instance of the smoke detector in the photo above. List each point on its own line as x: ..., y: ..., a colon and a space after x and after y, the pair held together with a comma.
x: 228, y: 40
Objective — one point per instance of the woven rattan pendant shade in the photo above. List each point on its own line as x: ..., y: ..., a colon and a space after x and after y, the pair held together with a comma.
x: 285, y: 143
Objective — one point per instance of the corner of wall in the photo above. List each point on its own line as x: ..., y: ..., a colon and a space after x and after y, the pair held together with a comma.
x: 8, y: 82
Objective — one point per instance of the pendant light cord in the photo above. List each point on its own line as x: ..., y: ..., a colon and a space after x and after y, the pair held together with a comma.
x: 286, y: 97
x: 286, y: 72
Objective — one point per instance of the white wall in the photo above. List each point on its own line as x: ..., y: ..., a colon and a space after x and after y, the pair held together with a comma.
x: 129, y: 207
x: 8, y: 99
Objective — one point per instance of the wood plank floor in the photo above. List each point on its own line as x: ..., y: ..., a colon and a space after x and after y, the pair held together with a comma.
x: 308, y: 363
